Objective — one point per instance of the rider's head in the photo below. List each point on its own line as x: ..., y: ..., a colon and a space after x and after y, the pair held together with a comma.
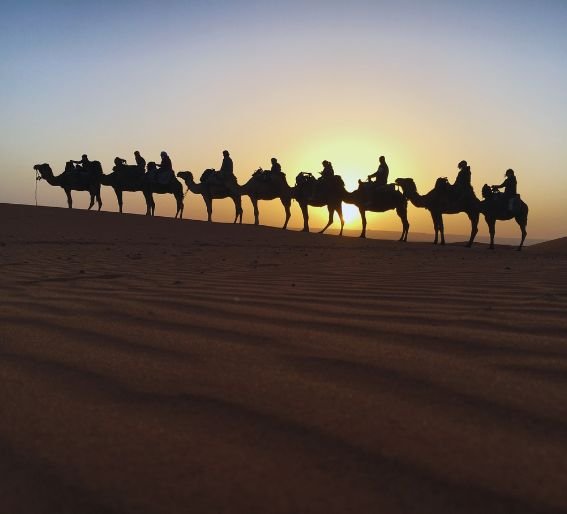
x: 163, y: 154
x: 509, y: 173
x: 462, y: 164
x: 382, y: 159
x: 136, y: 153
x: 84, y: 157
x: 274, y: 160
x: 225, y: 153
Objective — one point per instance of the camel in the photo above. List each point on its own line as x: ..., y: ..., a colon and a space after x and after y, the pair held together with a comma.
x: 74, y: 181
x: 126, y: 178
x: 368, y: 198
x: 496, y: 207
x: 270, y: 187
x: 440, y: 201
x: 212, y: 191
x: 328, y: 192
x: 152, y: 184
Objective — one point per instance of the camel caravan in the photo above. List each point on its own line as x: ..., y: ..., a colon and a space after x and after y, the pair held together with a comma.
x: 375, y: 194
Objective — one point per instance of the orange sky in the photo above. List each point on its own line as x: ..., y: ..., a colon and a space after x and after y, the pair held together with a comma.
x: 426, y: 86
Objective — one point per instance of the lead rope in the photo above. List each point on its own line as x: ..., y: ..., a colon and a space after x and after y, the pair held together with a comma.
x: 37, y: 179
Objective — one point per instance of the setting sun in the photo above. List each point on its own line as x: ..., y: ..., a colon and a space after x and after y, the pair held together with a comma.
x: 350, y: 213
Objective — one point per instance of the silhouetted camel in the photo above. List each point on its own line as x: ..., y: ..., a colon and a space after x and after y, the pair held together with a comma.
x: 75, y: 181
x: 495, y: 206
x: 126, y: 178
x: 151, y: 186
x: 441, y: 201
x: 260, y: 187
x: 211, y: 191
x: 368, y: 198
x: 328, y: 192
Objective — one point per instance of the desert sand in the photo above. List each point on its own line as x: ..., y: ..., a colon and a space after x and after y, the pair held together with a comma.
x: 151, y: 365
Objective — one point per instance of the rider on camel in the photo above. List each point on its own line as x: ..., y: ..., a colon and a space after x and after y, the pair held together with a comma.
x: 381, y: 174
x: 140, y: 161
x: 510, y: 188
x: 226, y: 171
x: 83, y: 164
x: 165, y: 166
x: 463, y: 180
x: 327, y: 172
x: 276, y: 166
x: 118, y: 163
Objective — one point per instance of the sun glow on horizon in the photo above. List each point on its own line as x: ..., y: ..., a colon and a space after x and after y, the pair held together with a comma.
x: 350, y: 214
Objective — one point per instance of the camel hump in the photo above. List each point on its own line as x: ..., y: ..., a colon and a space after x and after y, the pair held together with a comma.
x: 207, y: 175
x: 96, y: 167
x: 339, y: 180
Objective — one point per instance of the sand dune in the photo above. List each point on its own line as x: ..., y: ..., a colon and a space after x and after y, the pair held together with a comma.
x: 152, y: 365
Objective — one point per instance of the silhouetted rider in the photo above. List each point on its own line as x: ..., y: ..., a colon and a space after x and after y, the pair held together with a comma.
x: 328, y: 170
x: 381, y: 174
x: 118, y: 163
x: 165, y: 164
x: 510, y: 185
x: 227, y: 168
x: 140, y: 161
x: 276, y: 166
x: 84, y: 163
x: 463, y: 180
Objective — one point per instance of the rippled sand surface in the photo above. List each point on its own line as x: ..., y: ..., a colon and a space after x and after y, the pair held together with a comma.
x: 166, y: 366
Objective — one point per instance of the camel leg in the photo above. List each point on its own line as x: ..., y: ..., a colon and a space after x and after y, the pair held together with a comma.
x: 363, y: 217
x: 403, y: 215
x: 340, y: 213
x: 435, y: 227
x: 92, y: 200
x: 180, y: 206
x: 287, y: 205
x: 209, y: 205
x: 330, y: 221
x: 522, y: 222
x: 473, y: 216
x: 238, y: 209
x: 98, y: 199
x: 69, y: 198
x: 305, y: 212
x: 148, y: 198
x: 118, y: 193
x: 492, y: 230
x: 441, y: 229
x: 256, y: 211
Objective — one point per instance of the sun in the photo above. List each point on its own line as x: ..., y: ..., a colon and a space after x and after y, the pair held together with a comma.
x: 350, y: 213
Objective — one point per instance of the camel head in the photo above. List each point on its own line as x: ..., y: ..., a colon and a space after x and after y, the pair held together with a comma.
x: 186, y: 176
x: 407, y: 184
x: 43, y: 169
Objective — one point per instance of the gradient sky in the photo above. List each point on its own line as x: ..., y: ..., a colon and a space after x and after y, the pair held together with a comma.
x: 425, y: 83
